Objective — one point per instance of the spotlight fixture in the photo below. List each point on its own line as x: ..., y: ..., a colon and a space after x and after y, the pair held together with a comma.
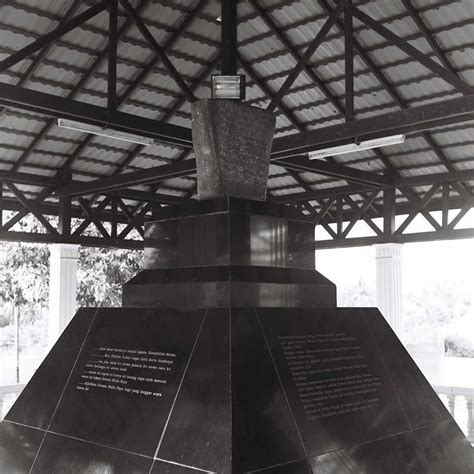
x: 104, y: 132
x: 351, y: 147
x: 228, y: 87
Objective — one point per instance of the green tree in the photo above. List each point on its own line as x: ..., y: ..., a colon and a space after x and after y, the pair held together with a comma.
x: 102, y: 272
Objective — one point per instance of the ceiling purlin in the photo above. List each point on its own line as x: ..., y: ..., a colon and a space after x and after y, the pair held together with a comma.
x: 97, y: 62
x: 396, y: 95
x: 26, y: 76
x: 141, y: 76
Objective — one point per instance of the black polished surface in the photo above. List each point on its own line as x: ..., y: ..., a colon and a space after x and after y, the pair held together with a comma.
x: 199, y: 429
x: 263, y: 430
x: 39, y: 398
x: 420, y: 402
x: 392, y: 455
x: 333, y: 376
x: 232, y: 204
x: 132, y: 420
x: 296, y: 467
x: 445, y: 449
x: 235, y: 232
x: 224, y: 294
x: 62, y: 455
x: 163, y: 467
x: 234, y: 285
x: 242, y: 273
x: 18, y: 447
x: 232, y: 402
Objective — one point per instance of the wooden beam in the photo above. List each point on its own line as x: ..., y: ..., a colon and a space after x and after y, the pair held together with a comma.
x: 146, y: 176
x: 85, y: 241
x: 303, y: 164
x: 229, y: 37
x: 415, y: 119
x: 48, y: 104
x: 132, y: 13
x: 310, y: 50
x: 416, y: 54
x: 52, y: 36
x: 402, y: 239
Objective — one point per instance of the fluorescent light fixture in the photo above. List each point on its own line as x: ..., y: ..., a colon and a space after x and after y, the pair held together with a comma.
x: 228, y: 87
x: 351, y: 147
x: 104, y: 132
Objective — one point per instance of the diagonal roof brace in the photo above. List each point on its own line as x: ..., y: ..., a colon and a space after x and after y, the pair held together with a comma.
x: 56, y: 106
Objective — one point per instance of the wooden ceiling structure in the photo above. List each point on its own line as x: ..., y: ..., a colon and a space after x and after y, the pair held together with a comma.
x: 333, y: 72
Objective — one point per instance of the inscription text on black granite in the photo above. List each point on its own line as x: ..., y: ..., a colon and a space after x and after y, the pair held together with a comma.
x: 331, y: 374
x: 132, y: 371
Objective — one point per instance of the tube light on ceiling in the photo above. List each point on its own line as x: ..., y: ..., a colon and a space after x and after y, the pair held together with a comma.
x: 104, y: 132
x: 351, y: 147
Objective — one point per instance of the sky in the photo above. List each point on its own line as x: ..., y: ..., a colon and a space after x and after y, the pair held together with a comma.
x: 427, y: 262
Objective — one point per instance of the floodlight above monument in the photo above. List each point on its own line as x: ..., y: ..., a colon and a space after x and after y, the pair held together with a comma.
x: 228, y: 87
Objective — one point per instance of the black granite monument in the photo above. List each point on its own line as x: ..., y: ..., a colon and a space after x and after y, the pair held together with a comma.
x: 229, y: 355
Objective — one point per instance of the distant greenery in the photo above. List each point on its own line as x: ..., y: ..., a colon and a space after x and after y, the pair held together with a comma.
x: 24, y: 283
x: 440, y: 312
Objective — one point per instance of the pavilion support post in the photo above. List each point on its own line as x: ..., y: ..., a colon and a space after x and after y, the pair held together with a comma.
x: 62, y: 288
x: 388, y: 258
x: 229, y: 37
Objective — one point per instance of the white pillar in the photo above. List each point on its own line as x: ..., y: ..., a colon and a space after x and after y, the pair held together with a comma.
x: 62, y: 288
x: 388, y: 258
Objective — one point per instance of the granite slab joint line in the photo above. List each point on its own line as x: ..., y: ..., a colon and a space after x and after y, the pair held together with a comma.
x: 184, y: 465
x: 281, y: 383
x: 344, y: 448
x: 286, y: 463
x: 22, y: 424
x: 64, y: 389
x: 75, y: 438
x: 80, y: 439
x: 179, y: 388
x: 386, y: 369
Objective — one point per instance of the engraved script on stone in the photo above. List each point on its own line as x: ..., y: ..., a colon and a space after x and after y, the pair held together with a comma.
x: 331, y: 374
x: 130, y: 371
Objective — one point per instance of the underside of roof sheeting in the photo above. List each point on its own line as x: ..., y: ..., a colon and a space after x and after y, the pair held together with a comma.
x: 157, y: 96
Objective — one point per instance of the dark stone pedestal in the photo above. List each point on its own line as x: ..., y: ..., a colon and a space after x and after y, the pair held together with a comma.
x: 230, y: 390
x: 229, y: 252
x: 246, y: 366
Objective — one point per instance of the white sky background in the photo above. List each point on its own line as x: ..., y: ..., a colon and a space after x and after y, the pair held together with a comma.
x: 422, y: 263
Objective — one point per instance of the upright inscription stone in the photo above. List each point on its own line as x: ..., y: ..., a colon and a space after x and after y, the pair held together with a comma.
x: 232, y: 143
x: 230, y: 355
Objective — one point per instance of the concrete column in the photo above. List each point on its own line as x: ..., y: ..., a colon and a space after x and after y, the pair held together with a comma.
x: 388, y: 258
x: 62, y: 288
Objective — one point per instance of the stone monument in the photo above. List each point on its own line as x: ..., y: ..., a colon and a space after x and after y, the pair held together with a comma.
x: 229, y: 355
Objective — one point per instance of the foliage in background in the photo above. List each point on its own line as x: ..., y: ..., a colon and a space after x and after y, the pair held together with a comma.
x: 24, y: 278
x: 440, y: 312
x: 102, y: 272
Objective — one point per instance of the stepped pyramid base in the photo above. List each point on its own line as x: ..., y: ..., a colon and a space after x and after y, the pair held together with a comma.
x: 273, y: 390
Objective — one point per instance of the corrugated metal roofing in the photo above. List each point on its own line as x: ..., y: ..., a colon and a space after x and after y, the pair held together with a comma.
x: 22, y: 21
